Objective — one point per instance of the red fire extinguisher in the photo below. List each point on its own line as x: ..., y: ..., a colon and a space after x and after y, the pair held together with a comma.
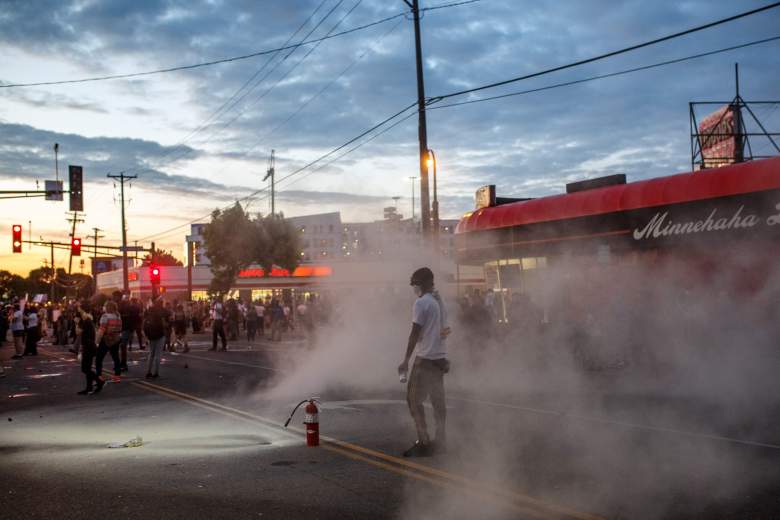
x: 311, y: 421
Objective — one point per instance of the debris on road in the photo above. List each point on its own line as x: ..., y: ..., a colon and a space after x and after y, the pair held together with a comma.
x: 132, y: 443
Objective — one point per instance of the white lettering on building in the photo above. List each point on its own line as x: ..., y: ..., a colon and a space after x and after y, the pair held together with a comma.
x: 661, y: 226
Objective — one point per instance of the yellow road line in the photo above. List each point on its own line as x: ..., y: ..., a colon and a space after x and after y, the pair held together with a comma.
x: 507, y: 498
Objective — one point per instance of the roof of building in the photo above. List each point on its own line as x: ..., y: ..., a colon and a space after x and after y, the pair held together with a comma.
x: 736, y: 179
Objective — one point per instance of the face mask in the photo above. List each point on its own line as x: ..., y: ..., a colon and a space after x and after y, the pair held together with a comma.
x: 417, y: 290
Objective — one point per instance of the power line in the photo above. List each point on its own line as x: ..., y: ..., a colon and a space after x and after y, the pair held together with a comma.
x: 320, y: 92
x: 453, y: 4
x: 257, y: 83
x: 272, y: 87
x: 222, y: 108
x: 296, y: 172
x: 436, y: 99
x: 224, y: 60
x: 610, y: 75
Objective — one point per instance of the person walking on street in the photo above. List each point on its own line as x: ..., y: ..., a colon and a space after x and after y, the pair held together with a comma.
x: 17, y: 330
x: 180, y: 327
x: 5, y: 323
x: 128, y: 326
x: 108, y: 338
x: 156, y: 323
x: 251, y: 322
x: 218, y: 324
x: 86, y: 326
x: 427, y: 337
x: 32, y: 334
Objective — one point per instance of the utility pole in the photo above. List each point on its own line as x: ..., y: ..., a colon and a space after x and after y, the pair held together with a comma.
x: 73, y: 218
x: 122, y: 178
x: 272, y: 173
x: 425, y: 210
x: 95, y: 235
x: 53, y: 273
x: 412, y: 179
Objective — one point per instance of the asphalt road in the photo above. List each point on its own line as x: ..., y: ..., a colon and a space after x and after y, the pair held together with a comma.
x: 214, y: 447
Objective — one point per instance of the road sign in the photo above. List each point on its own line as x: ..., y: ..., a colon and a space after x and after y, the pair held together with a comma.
x: 53, y: 190
x: 131, y: 248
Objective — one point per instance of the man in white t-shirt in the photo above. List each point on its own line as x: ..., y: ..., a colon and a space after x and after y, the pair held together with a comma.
x: 218, y: 324
x: 429, y: 331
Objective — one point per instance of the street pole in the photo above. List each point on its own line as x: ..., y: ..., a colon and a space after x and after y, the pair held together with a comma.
x: 122, y: 178
x: 412, y: 179
x: 53, y: 272
x: 435, y: 202
x: 74, y: 218
x: 425, y: 210
x: 95, y: 236
x: 272, y: 174
x: 189, y: 270
x: 56, y: 162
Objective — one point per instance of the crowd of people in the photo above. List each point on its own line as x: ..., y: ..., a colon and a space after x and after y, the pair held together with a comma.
x: 101, y: 326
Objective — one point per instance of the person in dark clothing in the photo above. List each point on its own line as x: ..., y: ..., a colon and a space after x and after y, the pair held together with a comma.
x: 4, y: 324
x: 128, y: 328
x: 137, y: 317
x: 32, y: 332
x: 86, y: 327
x: 251, y: 322
x: 156, y: 322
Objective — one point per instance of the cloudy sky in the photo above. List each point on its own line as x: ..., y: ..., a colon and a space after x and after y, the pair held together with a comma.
x: 200, y: 138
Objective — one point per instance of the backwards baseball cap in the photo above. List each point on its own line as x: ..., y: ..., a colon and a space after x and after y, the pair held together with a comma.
x: 422, y: 276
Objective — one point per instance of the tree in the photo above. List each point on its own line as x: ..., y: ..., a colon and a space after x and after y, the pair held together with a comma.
x: 11, y: 285
x: 161, y: 257
x: 234, y: 241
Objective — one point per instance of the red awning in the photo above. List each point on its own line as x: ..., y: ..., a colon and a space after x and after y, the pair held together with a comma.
x: 685, y: 187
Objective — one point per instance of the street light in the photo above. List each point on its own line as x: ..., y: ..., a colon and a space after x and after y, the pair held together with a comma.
x: 432, y: 164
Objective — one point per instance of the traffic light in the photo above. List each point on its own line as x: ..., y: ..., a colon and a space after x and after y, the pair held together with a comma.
x: 154, y: 274
x: 75, y: 246
x: 17, y: 238
x: 75, y: 183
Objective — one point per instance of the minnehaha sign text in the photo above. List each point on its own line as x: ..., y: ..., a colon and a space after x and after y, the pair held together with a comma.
x: 662, y: 226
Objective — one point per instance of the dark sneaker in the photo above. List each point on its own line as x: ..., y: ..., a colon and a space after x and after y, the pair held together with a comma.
x: 85, y: 391
x: 419, y: 450
x: 16, y: 356
x: 149, y: 375
x: 155, y: 376
x: 98, y: 386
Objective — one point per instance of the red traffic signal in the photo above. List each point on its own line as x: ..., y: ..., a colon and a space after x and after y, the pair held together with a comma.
x: 75, y: 246
x: 154, y: 274
x: 16, y: 238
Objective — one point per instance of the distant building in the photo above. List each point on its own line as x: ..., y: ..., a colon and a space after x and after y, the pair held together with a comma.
x: 199, y: 246
x: 320, y: 236
x: 325, y: 238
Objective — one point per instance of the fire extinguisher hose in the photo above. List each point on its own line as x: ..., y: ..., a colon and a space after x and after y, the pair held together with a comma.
x: 293, y: 412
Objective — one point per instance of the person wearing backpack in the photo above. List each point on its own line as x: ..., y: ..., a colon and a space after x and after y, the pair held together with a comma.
x: 108, y: 338
x: 156, y: 322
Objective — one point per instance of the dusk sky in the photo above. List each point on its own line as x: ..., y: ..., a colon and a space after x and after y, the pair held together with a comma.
x: 192, y: 157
